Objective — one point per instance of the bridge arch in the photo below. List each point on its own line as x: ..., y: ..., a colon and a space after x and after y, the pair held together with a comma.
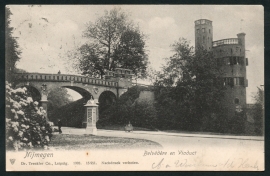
x: 32, y: 89
x: 106, y: 99
x: 83, y: 92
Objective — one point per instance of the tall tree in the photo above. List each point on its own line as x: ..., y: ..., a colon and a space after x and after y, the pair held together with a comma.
x: 258, y: 112
x: 113, y: 42
x: 191, y: 81
x: 130, y: 53
x: 13, y: 52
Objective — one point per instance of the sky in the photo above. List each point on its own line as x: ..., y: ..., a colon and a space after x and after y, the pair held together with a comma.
x: 45, y: 33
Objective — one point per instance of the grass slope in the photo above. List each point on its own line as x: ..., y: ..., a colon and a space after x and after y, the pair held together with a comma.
x: 87, y: 141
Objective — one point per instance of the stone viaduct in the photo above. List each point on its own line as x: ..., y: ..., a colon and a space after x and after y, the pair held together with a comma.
x: 115, y: 83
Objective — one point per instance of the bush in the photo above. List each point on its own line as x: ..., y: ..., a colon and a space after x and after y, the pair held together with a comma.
x: 143, y: 114
x: 26, y: 125
x: 126, y: 108
x: 71, y: 115
x: 258, y: 112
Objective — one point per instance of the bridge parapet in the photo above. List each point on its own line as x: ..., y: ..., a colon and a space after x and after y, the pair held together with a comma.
x: 63, y: 78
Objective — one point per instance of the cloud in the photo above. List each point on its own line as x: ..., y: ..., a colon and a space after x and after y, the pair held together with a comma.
x: 64, y: 28
x: 157, y: 55
x: 163, y: 31
x: 161, y: 23
x: 43, y: 41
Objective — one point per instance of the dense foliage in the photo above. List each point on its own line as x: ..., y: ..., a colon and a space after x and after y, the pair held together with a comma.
x: 26, y: 125
x: 188, y: 91
x: 113, y: 41
x: 12, y: 51
x: 130, y: 53
x: 144, y: 114
x: 128, y: 108
x: 258, y: 112
x: 71, y: 115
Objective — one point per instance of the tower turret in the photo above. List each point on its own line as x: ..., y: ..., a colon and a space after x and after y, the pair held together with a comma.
x: 241, y: 40
x: 203, y: 34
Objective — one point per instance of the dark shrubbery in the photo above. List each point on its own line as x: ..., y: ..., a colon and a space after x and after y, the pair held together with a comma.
x: 257, y: 112
x: 165, y: 113
x: 71, y: 115
x: 129, y: 109
x: 143, y: 114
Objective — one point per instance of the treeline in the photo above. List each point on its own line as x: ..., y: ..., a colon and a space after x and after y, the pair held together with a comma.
x: 187, y: 98
x: 164, y: 113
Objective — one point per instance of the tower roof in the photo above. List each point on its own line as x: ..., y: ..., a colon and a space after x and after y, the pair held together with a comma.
x: 203, y: 21
x: 242, y: 33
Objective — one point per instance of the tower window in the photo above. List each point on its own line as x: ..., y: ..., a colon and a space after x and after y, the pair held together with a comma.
x: 238, y: 60
x: 242, y: 81
x: 236, y: 101
x: 209, y: 31
x: 198, y: 30
x: 231, y: 60
x: 228, y: 81
x: 203, y: 30
x: 226, y: 61
x: 238, y: 81
x: 203, y: 39
x: 231, y: 81
x: 234, y: 60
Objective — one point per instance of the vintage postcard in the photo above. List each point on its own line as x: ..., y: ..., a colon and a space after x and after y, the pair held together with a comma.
x: 134, y: 88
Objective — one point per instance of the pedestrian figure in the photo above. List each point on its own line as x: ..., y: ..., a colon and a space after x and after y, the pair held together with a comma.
x: 59, y: 126
x: 129, y: 124
x: 129, y: 127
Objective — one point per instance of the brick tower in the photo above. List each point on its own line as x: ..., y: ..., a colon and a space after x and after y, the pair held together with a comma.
x: 230, y: 56
x: 203, y: 34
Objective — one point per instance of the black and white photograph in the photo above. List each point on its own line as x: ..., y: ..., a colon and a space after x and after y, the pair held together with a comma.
x: 134, y: 88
